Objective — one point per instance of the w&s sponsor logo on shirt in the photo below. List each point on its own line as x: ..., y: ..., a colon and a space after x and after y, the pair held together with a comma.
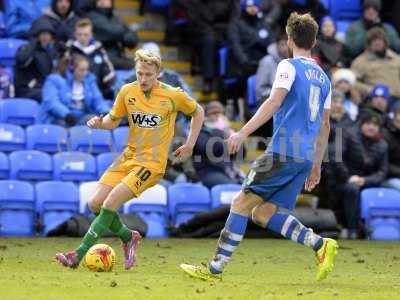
x: 145, y: 120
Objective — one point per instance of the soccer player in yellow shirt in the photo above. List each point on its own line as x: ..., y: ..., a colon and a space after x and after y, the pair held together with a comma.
x: 151, y: 107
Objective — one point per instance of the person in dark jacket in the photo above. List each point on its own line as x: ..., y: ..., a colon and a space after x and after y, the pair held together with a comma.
x: 339, y: 119
x: 329, y: 49
x: 364, y: 164
x: 378, y: 102
x: 356, y: 35
x: 100, y: 65
x: 62, y: 17
x: 209, y: 20
x: 210, y: 159
x: 392, y: 137
x: 36, y: 60
x: 110, y: 30
x: 248, y: 38
x: 19, y: 15
x: 71, y: 97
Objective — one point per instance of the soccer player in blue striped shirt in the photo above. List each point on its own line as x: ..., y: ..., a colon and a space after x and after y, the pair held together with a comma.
x: 300, y: 104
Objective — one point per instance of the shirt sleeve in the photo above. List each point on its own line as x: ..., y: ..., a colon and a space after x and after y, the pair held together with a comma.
x: 184, y: 103
x: 118, y: 110
x: 285, y: 75
x: 327, y: 104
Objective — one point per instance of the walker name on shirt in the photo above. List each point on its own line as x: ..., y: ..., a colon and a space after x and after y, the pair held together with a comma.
x: 144, y: 120
x: 313, y: 74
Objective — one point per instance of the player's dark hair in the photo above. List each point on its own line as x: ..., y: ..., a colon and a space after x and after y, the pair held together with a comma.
x: 302, y: 29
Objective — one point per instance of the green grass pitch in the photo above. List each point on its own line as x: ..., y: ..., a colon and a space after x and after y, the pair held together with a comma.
x: 260, y: 269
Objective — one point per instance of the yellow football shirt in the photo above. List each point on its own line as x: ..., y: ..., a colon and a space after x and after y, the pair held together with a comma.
x: 151, y: 119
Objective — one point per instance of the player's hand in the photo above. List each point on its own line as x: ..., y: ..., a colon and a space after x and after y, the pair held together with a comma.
x: 182, y: 153
x: 235, y: 141
x: 314, y: 178
x: 95, y: 122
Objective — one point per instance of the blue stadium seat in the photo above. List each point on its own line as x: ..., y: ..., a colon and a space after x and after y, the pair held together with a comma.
x: 104, y: 160
x: 341, y: 29
x: 187, y: 199
x: 385, y: 229
x: 251, y: 92
x: 74, y: 166
x: 346, y: 9
x: 159, y: 4
x: 222, y: 194
x: 121, y: 135
x: 382, y: 204
x: 2, y: 24
x: 17, y: 208
x: 86, y: 190
x: 12, y: 137
x: 30, y: 165
x: 85, y: 139
x: 47, y: 138
x: 56, y: 202
x: 326, y: 4
x: 8, y: 49
x: 19, y: 111
x: 4, y: 166
x: 151, y: 206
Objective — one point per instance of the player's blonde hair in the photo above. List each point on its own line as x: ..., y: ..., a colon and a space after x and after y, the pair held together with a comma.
x: 148, y: 57
x: 302, y: 29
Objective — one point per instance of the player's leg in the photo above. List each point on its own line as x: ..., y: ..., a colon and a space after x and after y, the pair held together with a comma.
x: 229, y: 239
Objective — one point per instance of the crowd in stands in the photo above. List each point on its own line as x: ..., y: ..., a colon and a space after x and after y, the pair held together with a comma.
x: 73, y: 51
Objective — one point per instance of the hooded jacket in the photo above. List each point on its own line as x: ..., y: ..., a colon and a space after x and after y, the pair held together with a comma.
x: 392, y: 137
x: 57, y: 98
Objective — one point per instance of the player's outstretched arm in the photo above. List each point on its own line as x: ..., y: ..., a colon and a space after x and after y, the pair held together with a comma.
x: 322, y: 142
x: 185, y: 151
x: 263, y: 114
x: 101, y: 122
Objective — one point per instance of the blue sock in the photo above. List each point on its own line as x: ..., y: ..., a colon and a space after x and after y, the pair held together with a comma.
x: 230, y: 237
x: 291, y: 228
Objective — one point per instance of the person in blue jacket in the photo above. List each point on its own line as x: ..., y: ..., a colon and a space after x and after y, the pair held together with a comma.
x: 70, y: 97
x: 19, y: 15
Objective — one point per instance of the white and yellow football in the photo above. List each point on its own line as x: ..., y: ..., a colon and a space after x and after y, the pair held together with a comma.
x: 100, y: 258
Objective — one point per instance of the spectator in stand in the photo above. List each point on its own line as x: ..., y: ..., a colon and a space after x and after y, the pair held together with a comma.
x: 364, y: 164
x: 62, y: 17
x: 209, y: 20
x: 19, y: 15
x: 356, y: 35
x: 272, y: 11
x: 377, y: 64
x: 100, y: 65
x: 166, y: 75
x: 328, y: 49
x: 378, y: 102
x: 210, y: 158
x: 82, y: 7
x: 392, y: 137
x: 71, y: 97
x: 267, y: 67
x: 340, y: 120
x: 248, y: 38
x: 343, y: 80
x: 6, y: 85
x: 110, y: 30
x: 36, y: 60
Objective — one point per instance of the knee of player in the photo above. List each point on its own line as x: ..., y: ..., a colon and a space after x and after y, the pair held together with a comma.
x: 261, y: 214
x: 241, y: 205
x: 94, y: 205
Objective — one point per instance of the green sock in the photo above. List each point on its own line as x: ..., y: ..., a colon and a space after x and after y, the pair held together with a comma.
x: 101, y: 223
x: 120, y: 229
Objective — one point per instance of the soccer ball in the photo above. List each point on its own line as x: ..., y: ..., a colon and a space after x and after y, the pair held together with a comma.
x: 100, y: 258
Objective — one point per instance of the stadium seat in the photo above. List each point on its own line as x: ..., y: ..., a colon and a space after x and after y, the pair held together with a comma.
x: 380, y: 209
x: 12, y: 137
x: 104, y: 160
x: 158, y: 5
x: 30, y: 165
x: 17, y: 208
x: 341, y: 29
x: 19, y: 111
x: 222, y: 194
x: 151, y: 206
x: 47, y: 138
x: 56, y: 202
x: 251, y: 92
x: 187, y: 199
x: 74, y: 166
x: 85, y: 139
x: 8, y: 49
x: 4, y: 166
x: 86, y: 190
x: 2, y: 24
x: 346, y: 9
x: 121, y: 135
